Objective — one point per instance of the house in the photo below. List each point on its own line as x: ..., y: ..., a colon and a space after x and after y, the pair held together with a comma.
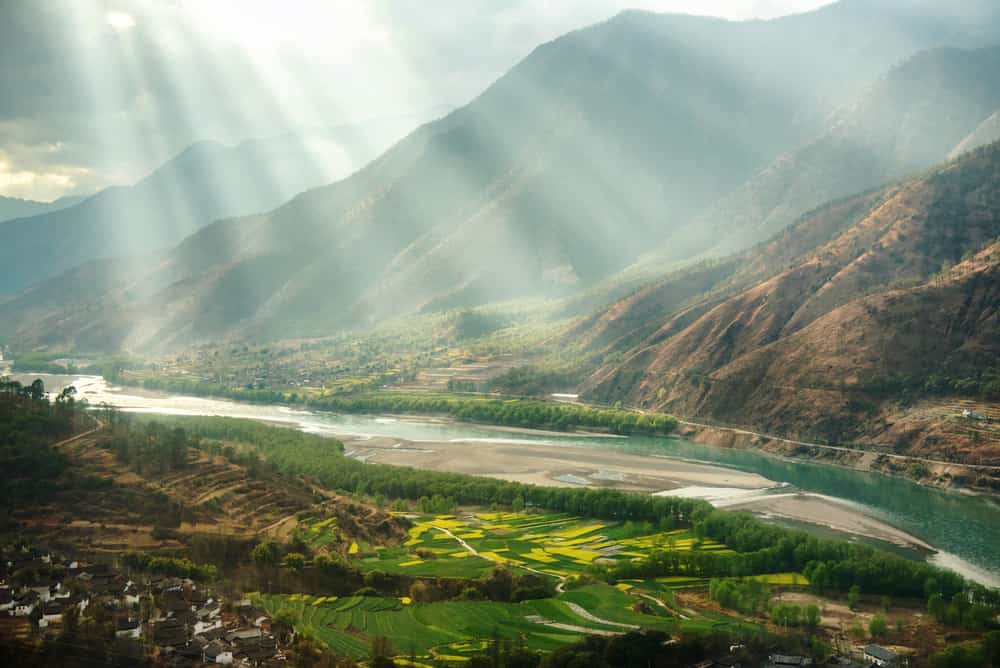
x: 217, y: 651
x: 726, y: 662
x: 169, y: 633
x: 210, y: 610
x: 81, y: 601
x: 128, y: 628
x: 788, y: 661
x: 52, y: 613
x: 25, y: 604
x: 6, y: 599
x: 243, y: 635
x: 44, y: 592
x: 881, y: 656
x: 203, y: 626
x: 130, y: 594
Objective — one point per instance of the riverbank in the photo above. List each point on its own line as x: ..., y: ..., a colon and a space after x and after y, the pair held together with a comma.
x: 548, y: 464
x: 570, y: 466
x: 959, y: 524
x: 951, y: 477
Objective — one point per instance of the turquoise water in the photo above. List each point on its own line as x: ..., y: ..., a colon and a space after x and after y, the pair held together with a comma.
x: 961, y: 526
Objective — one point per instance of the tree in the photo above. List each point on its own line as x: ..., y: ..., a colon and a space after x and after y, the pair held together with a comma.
x: 853, y: 597
x: 856, y: 630
x: 308, y: 652
x: 877, y: 627
x: 70, y: 622
x: 37, y: 390
x: 517, y: 505
x: 295, y: 562
x: 937, y: 607
x: 811, y: 617
x: 267, y: 553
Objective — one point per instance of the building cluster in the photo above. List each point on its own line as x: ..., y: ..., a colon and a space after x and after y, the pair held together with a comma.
x: 176, y: 619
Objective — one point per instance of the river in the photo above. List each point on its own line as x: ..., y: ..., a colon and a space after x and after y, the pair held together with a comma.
x: 963, y: 530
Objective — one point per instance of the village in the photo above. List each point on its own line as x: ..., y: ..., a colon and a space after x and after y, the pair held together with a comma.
x: 173, y: 620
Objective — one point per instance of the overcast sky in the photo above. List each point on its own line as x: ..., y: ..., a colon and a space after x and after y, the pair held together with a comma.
x: 100, y: 92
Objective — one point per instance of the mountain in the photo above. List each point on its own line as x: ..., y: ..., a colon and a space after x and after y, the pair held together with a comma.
x: 868, y: 305
x: 985, y: 133
x: 14, y: 207
x: 910, y: 119
x: 595, y: 148
x: 205, y: 182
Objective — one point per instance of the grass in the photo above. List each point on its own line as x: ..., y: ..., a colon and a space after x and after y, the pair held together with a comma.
x: 435, y: 631
x: 783, y: 579
x: 556, y: 543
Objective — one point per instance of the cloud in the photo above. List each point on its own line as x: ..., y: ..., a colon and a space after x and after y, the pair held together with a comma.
x: 120, y: 20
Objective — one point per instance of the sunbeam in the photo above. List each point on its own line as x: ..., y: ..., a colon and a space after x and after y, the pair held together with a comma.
x: 510, y: 334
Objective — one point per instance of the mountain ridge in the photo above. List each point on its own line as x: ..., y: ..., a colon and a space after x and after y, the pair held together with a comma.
x: 597, y: 147
x: 838, y: 321
x: 205, y: 181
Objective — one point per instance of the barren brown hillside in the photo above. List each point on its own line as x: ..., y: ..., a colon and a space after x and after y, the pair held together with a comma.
x: 833, y: 343
x: 120, y: 509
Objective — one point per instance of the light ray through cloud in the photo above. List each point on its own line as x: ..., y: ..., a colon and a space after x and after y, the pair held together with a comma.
x: 325, y: 64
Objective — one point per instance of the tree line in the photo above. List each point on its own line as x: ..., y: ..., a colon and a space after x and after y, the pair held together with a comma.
x: 530, y: 413
x: 758, y: 547
x: 29, y: 423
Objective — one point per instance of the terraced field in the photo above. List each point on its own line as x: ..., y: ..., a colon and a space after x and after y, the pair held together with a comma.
x: 559, y: 545
x: 456, y: 629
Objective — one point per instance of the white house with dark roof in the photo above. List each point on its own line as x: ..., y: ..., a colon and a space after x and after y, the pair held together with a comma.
x: 881, y: 656
x: 25, y: 604
x: 52, y: 613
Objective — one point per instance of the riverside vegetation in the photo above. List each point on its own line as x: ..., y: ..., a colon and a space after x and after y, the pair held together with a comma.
x: 501, y: 567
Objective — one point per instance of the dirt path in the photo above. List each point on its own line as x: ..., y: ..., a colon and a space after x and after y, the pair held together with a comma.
x: 572, y: 628
x: 280, y: 529
x: 581, y: 612
x: 663, y: 605
x: 560, y: 587
x: 73, y: 439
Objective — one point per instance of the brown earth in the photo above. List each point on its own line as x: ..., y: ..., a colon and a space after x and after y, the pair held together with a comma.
x: 827, y: 333
x: 120, y: 509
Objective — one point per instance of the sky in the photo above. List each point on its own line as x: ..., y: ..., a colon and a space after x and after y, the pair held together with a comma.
x: 101, y: 92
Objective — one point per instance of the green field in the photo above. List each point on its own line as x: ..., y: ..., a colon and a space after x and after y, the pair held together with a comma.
x: 558, y: 545
x: 555, y: 544
x: 459, y: 628
x: 454, y: 630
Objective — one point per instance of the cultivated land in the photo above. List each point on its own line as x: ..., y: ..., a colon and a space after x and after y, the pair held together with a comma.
x: 287, y: 513
x: 471, y: 544
x: 539, y: 463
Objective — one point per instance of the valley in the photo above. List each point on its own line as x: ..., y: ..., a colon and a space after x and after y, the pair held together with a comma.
x: 500, y: 335
x: 405, y: 563
x: 892, y: 512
